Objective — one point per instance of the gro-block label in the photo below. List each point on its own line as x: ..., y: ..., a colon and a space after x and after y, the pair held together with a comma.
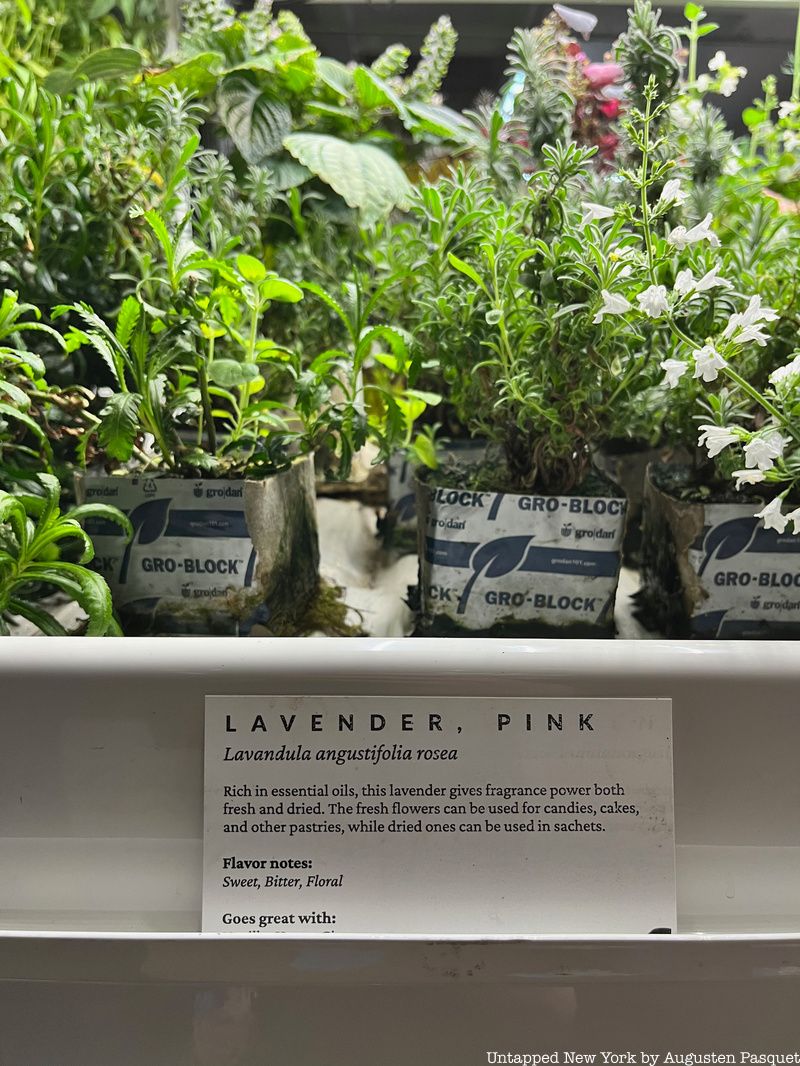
x: 490, y: 557
x: 748, y: 575
x: 190, y: 539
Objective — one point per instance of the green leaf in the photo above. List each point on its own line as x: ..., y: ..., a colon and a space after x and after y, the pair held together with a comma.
x: 435, y: 121
x: 193, y: 75
x: 250, y: 268
x: 127, y: 320
x: 466, y: 269
x: 709, y: 27
x: 425, y: 451
x: 43, y: 621
x: 104, y: 511
x: 286, y: 173
x: 373, y: 92
x: 692, y: 12
x: 281, y: 290
x: 335, y: 75
x: 256, y: 121
x: 108, y: 64
x: 101, y: 7
x: 230, y: 373
x: 364, y: 176
x: 119, y: 425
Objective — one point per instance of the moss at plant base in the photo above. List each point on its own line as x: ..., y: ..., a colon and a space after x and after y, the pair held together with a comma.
x: 499, y: 563
x: 327, y: 614
x: 709, y: 567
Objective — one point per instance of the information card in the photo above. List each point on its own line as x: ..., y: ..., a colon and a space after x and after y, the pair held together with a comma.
x: 438, y: 815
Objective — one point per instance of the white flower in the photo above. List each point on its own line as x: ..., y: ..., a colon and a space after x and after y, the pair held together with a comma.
x: 680, y: 237
x: 674, y: 370
x: 794, y: 518
x: 718, y: 61
x: 592, y: 212
x: 613, y: 304
x: 747, y: 477
x: 715, y: 438
x: 785, y: 372
x: 763, y: 450
x: 653, y: 301
x: 752, y: 335
x: 708, y: 363
x: 686, y: 283
x: 791, y: 140
x: 788, y: 108
x: 772, y: 515
x: 672, y: 193
x: 741, y: 323
x: 730, y: 83
x: 703, y: 83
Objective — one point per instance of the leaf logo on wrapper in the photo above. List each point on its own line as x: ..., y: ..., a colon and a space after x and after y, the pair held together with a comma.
x: 495, y: 559
x: 149, y: 520
x: 728, y: 540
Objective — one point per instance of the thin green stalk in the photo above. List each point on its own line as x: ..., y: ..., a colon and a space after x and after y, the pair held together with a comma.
x: 796, y: 68
x: 693, y: 51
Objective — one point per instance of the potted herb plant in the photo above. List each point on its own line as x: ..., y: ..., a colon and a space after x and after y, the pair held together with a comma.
x: 207, y: 429
x: 516, y: 302
x: 704, y: 552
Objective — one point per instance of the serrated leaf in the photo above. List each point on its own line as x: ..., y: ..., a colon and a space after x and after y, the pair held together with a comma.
x: 129, y: 315
x: 119, y: 425
x: 364, y: 176
x: 257, y: 122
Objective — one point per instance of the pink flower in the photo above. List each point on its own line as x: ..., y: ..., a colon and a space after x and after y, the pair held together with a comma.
x: 601, y: 74
x: 611, y: 109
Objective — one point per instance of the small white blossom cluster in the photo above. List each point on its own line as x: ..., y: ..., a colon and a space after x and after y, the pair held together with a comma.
x: 745, y: 327
x: 724, y: 77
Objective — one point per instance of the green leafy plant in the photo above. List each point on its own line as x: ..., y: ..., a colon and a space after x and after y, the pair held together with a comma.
x: 509, y: 305
x: 32, y: 531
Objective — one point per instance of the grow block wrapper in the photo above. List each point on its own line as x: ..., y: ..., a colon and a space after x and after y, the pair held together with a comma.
x: 501, y: 563
x: 713, y: 570
x: 208, y: 556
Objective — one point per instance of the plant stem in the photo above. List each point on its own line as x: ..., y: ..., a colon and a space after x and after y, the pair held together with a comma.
x: 693, y: 51
x: 205, y: 400
x: 796, y: 67
x: 648, y: 237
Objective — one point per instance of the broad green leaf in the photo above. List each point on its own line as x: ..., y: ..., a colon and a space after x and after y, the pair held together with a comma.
x: 364, y: 176
x: 692, y: 12
x: 193, y: 75
x: 286, y: 173
x: 108, y: 64
x: 101, y: 7
x: 281, y: 290
x: 250, y: 268
x: 707, y: 28
x: 335, y: 75
x: 231, y: 374
x: 256, y: 121
x: 432, y: 120
x: 119, y: 425
x: 372, y: 91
